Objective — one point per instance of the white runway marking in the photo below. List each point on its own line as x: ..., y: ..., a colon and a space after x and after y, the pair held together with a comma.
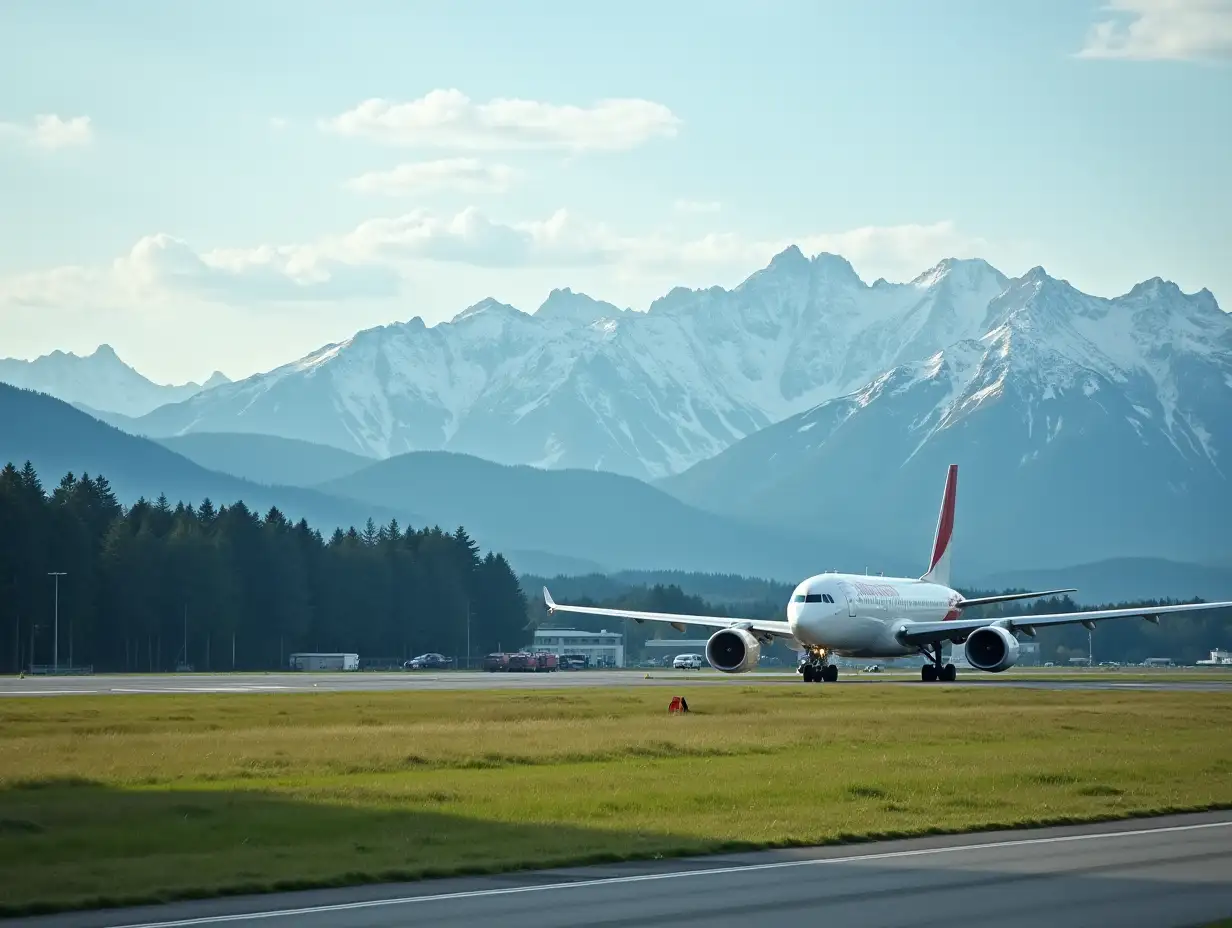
x: 197, y: 689
x: 671, y: 875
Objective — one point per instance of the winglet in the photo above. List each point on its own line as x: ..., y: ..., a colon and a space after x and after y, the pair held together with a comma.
x: 939, y: 566
x: 547, y: 599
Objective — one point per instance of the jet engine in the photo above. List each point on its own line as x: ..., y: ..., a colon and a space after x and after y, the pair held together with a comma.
x: 992, y: 648
x: 733, y: 650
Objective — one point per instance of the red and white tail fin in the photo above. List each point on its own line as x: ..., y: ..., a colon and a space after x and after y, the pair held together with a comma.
x: 939, y: 566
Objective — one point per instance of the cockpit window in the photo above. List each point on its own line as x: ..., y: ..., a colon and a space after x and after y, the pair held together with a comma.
x: 798, y: 598
x: 813, y: 598
x: 827, y: 597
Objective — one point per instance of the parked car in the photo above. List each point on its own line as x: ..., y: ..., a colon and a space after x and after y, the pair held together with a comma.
x: 429, y: 662
x: 687, y: 662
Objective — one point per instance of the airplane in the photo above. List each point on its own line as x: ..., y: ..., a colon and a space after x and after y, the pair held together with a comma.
x: 852, y: 615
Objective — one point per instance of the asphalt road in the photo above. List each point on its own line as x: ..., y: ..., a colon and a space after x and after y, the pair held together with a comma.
x: 1157, y: 873
x: 422, y: 680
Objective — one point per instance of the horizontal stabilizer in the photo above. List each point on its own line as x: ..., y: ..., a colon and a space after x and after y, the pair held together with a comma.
x: 1009, y: 597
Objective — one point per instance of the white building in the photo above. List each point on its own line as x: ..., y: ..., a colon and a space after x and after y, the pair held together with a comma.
x: 317, y: 661
x: 603, y: 648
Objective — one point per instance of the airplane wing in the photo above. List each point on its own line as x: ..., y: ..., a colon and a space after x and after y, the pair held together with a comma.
x: 933, y: 632
x: 762, y: 628
x: 1009, y: 597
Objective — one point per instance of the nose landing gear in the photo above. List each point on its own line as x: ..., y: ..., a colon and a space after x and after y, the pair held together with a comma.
x: 818, y: 669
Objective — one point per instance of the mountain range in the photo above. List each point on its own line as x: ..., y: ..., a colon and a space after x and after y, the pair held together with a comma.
x: 1084, y: 428
x: 99, y: 382
x: 803, y: 401
x: 580, y: 383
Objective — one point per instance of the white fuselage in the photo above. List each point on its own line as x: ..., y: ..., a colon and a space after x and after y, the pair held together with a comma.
x: 852, y: 615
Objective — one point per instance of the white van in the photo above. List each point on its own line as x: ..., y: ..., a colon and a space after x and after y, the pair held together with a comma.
x: 687, y: 662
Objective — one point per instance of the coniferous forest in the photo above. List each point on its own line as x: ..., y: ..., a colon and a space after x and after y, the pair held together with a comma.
x: 242, y: 590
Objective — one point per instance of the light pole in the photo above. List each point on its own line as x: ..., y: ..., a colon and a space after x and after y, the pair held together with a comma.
x: 55, y: 657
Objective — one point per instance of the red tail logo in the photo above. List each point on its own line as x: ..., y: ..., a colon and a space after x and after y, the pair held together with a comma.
x: 938, y: 567
x: 945, y: 525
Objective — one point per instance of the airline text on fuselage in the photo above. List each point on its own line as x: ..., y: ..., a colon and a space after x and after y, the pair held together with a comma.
x: 876, y: 589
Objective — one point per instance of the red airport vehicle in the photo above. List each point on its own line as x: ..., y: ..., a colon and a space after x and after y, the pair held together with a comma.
x: 524, y: 662
x: 496, y: 661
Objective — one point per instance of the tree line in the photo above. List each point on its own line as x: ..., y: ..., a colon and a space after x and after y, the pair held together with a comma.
x: 152, y: 586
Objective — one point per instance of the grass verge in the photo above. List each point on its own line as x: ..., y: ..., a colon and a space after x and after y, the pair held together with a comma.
x: 117, y: 800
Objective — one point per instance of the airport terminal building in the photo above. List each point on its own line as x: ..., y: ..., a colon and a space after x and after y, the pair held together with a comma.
x: 603, y: 648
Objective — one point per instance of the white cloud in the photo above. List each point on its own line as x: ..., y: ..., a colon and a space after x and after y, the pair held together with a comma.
x: 566, y: 240
x: 264, y: 273
x: 449, y: 119
x: 898, y: 252
x: 697, y: 206
x: 375, y: 259
x: 1162, y: 30
x: 51, y: 132
x: 469, y: 237
x: 278, y: 123
x: 465, y: 174
x: 54, y: 287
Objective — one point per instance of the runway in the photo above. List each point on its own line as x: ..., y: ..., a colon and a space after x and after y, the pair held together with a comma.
x: 409, y: 681
x: 1155, y: 873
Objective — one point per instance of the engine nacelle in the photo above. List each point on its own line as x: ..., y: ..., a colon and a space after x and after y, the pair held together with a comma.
x: 733, y: 650
x: 992, y: 648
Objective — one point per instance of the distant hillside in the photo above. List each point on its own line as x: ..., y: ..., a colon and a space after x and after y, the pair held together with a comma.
x: 119, y: 420
x: 266, y: 459
x: 1121, y: 580
x: 57, y: 438
x: 545, y: 564
x: 613, y: 521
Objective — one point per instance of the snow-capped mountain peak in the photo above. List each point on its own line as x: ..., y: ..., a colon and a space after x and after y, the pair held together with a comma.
x: 1119, y: 410
x: 790, y: 260
x: 488, y: 305
x: 581, y: 383
x: 576, y: 309
x: 967, y: 273
x: 835, y: 267
x: 98, y: 382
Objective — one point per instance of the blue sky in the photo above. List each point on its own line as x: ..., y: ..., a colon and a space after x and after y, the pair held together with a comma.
x: 203, y: 185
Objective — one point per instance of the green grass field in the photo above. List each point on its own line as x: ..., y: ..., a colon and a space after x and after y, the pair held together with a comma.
x: 119, y: 799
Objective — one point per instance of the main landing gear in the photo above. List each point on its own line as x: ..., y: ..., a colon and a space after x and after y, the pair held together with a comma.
x: 936, y: 672
x: 818, y: 669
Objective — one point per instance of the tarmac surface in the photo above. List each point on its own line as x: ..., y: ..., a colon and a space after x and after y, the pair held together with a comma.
x: 103, y: 684
x: 1149, y: 873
